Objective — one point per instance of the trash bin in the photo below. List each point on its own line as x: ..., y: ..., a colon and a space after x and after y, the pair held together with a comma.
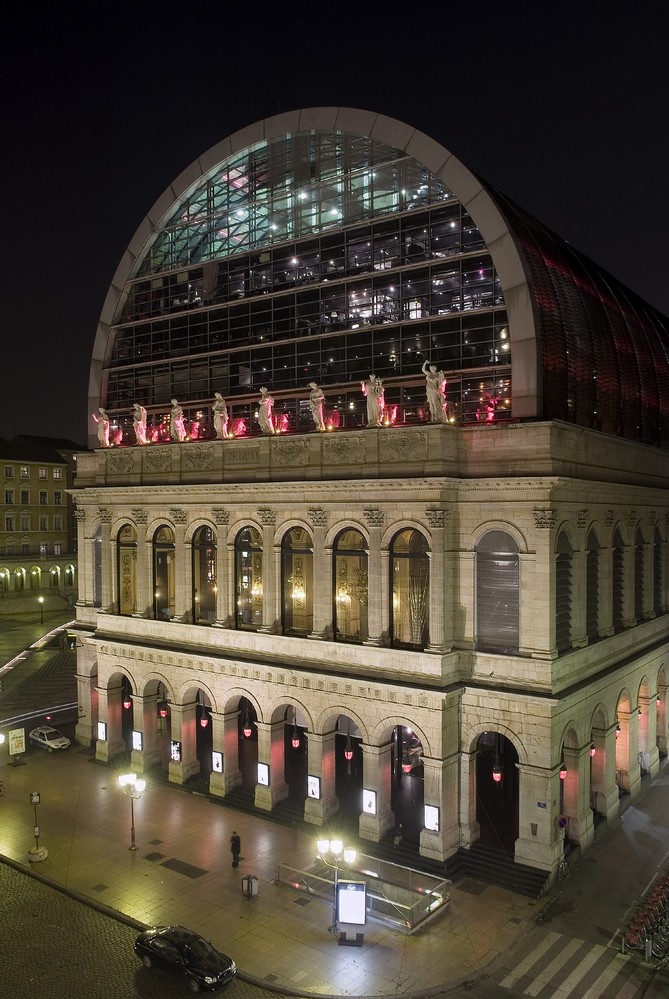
x: 250, y: 885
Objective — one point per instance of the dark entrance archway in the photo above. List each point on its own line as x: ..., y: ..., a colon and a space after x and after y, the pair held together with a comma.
x: 248, y: 744
x: 407, y: 786
x: 497, y: 790
x: 348, y: 770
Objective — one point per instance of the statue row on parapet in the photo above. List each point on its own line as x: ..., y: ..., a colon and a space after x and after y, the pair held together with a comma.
x: 372, y: 389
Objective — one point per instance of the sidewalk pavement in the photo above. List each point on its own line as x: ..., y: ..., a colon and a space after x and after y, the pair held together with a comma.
x: 181, y: 872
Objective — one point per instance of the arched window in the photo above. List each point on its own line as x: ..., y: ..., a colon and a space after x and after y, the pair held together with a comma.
x: 350, y: 587
x: 638, y: 574
x: 69, y: 574
x: 618, y: 581
x: 35, y: 578
x: 497, y: 593
x: 4, y: 581
x: 204, y: 575
x: 592, y: 587
x: 164, y: 605
x: 248, y: 579
x: 658, y: 566
x: 97, y: 569
x: 410, y: 590
x: 19, y: 580
x: 127, y: 569
x: 563, y: 593
x: 297, y: 560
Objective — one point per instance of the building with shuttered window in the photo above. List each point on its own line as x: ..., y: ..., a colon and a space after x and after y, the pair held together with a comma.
x: 451, y: 618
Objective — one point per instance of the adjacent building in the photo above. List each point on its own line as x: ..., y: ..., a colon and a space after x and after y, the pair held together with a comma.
x: 444, y: 606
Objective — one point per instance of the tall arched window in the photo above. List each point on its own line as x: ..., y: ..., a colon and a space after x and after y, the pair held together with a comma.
x: 164, y: 605
x: 563, y: 592
x: 497, y: 593
x: 248, y: 579
x: 297, y: 589
x: 97, y: 569
x: 592, y: 587
x: 618, y: 581
x: 204, y: 575
x: 639, y: 574
x: 658, y: 566
x: 410, y: 584
x: 350, y: 587
x: 127, y: 570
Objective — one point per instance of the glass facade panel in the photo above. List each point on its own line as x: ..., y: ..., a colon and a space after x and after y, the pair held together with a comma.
x: 497, y: 593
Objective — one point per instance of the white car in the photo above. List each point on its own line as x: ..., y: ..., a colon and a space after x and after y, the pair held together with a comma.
x: 48, y: 737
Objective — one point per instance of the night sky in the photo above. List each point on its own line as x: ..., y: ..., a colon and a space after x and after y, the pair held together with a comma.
x: 563, y: 106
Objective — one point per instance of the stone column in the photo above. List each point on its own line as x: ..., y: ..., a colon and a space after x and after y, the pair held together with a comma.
x: 145, y: 720
x: 183, y: 720
x: 85, y: 547
x: 377, y: 579
x: 144, y: 572
x: 661, y: 719
x: 375, y: 821
x: 440, y: 783
x: 225, y: 588
x: 271, y: 573
x: 470, y: 829
x: 271, y: 752
x: 576, y: 795
x: 538, y: 843
x: 627, y: 742
x: 579, y: 635
x: 225, y: 740
x: 629, y: 619
x: 321, y: 764
x: 110, y: 711
x: 536, y: 632
x: 87, y: 719
x: 603, y: 787
x: 322, y: 604
x: 465, y: 599
x: 605, y: 591
x: 107, y: 600
x: 183, y: 569
x: 441, y: 588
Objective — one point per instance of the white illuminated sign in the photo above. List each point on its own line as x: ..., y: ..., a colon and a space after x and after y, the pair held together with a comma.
x: 217, y: 763
x: 313, y: 787
x: 137, y: 741
x: 432, y: 818
x: 102, y: 731
x: 368, y: 801
x: 175, y: 751
x: 352, y: 902
x: 17, y: 741
x: 263, y: 774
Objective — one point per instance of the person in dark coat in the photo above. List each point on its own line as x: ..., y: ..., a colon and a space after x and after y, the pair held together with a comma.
x: 235, y: 847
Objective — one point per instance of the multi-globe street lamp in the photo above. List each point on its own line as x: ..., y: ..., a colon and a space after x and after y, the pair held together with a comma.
x: 333, y: 853
x: 132, y: 787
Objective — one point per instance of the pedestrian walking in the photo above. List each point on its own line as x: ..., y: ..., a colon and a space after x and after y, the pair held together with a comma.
x: 235, y: 847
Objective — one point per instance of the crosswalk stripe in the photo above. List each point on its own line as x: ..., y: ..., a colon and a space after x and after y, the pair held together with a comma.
x: 598, y: 990
x: 581, y: 969
x: 531, y: 959
x: 545, y: 975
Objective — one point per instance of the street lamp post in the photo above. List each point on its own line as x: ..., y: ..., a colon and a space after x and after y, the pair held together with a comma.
x: 40, y: 601
x: 132, y: 787
x: 333, y: 853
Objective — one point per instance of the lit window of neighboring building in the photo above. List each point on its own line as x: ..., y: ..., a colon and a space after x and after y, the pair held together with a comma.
x: 57, y: 496
x: 58, y: 473
x: 43, y: 497
x: 58, y: 547
x: 43, y: 523
x: 9, y: 496
x: 9, y: 471
x: 42, y: 473
x: 24, y: 472
x: 58, y: 522
x: 43, y: 548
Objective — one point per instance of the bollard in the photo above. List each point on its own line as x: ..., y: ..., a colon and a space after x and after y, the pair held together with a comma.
x: 648, y: 948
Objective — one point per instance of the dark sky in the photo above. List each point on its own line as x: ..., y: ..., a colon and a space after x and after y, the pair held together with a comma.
x: 563, y: 106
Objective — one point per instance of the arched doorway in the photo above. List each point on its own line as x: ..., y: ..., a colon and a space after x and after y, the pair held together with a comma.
x: 348, y: 769
x: 203, y: 733
x: 248, y: 744
x: 295, y: 756
x: 407, y: 786
x: 497, y: 791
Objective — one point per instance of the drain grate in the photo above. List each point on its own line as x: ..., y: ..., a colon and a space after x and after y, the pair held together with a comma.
x: 186, y: 869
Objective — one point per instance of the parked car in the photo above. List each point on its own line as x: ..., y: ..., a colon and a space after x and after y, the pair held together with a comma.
x: 48, y: 737
x: 185, y: 953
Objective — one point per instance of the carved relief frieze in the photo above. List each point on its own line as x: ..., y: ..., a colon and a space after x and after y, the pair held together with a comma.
x: 375, y: 517
x: 344, y: 450
x: 544, y: 519
x: 266, y: 516
x: 247, y: 455
x: 291, y: 452
x: 437, y: 518
x: 631, y: 518
x: 120, y: 462
x: 608, y: 519
x: 79, y: 515
x: 221, y: 516
x: 317, y: 516
x: 581, y: 518
x: 198, y: 457
x: 139, y: 516
x: 157, y: 459
x: 105, y: 515
x: 178, y: 516
x: 398, y: 445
